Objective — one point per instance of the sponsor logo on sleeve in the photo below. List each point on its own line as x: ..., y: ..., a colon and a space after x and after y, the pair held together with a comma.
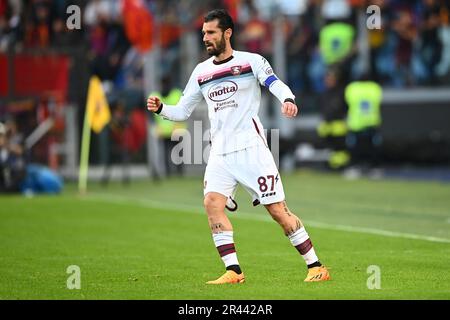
x: 268, y: 71
x: 203, y: 79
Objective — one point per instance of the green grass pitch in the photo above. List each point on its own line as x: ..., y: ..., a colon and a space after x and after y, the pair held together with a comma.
x: 151, y: 241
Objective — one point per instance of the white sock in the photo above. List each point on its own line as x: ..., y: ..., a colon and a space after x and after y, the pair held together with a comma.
x: 300, y: 240
x: 225, y: 245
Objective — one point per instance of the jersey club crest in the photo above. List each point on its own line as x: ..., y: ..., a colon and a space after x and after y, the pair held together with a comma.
x: 236, y: 70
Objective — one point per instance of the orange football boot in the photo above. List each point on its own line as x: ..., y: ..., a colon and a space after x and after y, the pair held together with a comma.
x: 229, y: 277
x: 318, y: 274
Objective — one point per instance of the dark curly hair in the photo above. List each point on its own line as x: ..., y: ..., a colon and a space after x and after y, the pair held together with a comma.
x: 225, y: 20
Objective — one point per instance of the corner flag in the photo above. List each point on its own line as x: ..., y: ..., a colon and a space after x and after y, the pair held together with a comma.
x: 97, y: 116
x: 97, y: 106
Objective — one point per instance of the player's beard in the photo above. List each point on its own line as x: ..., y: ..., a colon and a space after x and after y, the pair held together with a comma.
x: 218, y: 48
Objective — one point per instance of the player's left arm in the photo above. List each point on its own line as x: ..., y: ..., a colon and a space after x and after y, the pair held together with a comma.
x: 267, y: 78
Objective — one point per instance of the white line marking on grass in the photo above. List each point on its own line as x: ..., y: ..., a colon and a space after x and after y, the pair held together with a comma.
x: 379, y: 232
x: 251, y: 216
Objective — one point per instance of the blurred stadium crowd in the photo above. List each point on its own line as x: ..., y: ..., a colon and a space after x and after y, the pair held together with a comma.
x: 410, y: 49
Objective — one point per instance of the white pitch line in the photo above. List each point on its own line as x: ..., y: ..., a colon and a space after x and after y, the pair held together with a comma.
x: 379, y: 232
x: 251, y: 216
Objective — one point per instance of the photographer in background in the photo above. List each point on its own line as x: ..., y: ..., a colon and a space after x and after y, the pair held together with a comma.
x: 12, y: 163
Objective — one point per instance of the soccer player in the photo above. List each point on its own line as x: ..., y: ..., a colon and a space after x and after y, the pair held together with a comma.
x: 230, y: 81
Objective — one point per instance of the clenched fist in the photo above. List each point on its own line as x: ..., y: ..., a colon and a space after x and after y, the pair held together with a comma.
x: 153, y: 103
x: 289, y: 110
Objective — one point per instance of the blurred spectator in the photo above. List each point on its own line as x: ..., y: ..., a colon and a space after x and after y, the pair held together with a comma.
x: 333, y: 128
x: 245, y: 6
x: 406, y: 33
x: 107, y: 38
x: 10, y: 23
x: 377, y: 39
x: 255, y: 35
x: 170, y: 32
x: 131, y: 74
x: 60, y: 34
x: 128, y: 130
x: 337, y: 47
x: 431, y: 48
x: 109, y: 44
x: 15, y: 137
x: 300, y: 45
x: 12, y: 163
x: 443, y: 68
x: 101, y: 10
x: 336, y: 10
x: 266, y: 9
x: 336, y: 42
x: 293, y: 8
x: 116, y: 129
x: 38, y: 28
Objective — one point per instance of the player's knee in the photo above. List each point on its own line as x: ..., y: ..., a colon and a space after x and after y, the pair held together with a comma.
x: 212, y: 202
x: 276, y: 211
x: 283, y: 216
x: 208, y: 201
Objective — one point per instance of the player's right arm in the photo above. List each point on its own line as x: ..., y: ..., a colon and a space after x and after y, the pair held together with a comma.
x: 191, y: 97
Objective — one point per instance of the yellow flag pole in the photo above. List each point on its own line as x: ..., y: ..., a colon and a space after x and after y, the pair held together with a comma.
x: 84, y: 157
